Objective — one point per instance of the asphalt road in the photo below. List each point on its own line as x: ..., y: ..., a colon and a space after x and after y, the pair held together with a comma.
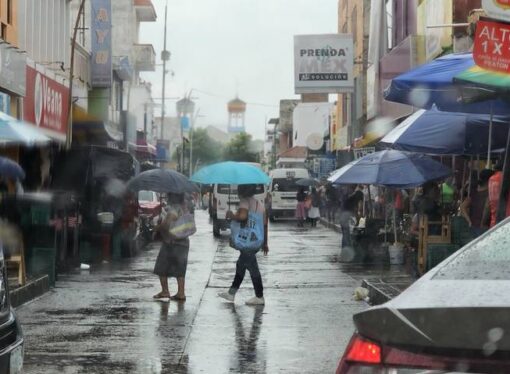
x: 105, y: 321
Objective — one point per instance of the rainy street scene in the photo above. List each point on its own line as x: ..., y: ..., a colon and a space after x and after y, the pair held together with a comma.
x: 254, y: 186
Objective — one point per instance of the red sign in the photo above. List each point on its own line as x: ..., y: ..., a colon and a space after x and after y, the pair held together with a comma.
x: 491, y: 50
x: 46, y: 103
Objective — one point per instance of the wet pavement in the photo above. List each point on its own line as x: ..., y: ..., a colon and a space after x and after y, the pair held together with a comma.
x: 105, y: 321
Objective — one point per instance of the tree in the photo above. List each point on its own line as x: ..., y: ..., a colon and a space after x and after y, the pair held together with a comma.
x: 205, y: 149
x: 241, y: 148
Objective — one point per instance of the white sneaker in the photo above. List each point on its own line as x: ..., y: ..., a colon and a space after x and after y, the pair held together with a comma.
x: 256, y: 301
x: 227, y: 296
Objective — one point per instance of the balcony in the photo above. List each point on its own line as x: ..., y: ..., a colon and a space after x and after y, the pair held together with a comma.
x: 145, y: 11
x: 145, y: 59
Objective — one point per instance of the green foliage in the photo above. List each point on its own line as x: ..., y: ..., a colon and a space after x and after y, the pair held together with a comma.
x: 241, y: 148
x: 205, y: 149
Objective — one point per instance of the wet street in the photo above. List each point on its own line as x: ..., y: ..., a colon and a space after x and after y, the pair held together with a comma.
x: 105, y: 321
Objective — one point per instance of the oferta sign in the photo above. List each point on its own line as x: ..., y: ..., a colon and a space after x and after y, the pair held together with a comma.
x: 323, y: 63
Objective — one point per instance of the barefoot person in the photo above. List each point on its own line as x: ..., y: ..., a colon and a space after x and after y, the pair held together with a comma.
x: 248, y: 259
x: 172, y: 259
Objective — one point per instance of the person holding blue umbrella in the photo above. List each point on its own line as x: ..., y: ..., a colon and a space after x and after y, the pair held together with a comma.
x: 249, y: 217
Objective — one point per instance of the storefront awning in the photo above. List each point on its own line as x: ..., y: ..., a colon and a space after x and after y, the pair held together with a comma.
x: 88, y: 129
x: 143, y: 150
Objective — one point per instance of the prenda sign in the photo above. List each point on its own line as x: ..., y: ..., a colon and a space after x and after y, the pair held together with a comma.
x: 323, y: 63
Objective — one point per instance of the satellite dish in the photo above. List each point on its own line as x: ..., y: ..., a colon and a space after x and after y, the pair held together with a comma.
x: 315, y: 141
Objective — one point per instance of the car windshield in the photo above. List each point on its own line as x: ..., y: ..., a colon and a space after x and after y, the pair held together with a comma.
x: 285, y: 185
x: 487, y: 258
x: 232, y: 189
x: 146, y: 196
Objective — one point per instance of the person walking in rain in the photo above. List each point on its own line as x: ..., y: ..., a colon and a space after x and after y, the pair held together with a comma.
x: 314, y: 212
x: 172, y: 259
x: 301, y: 206
x: 247, y: 259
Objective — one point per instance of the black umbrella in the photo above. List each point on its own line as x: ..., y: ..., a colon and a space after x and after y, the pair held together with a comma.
x: 163, y: 181
x: 308, y: 182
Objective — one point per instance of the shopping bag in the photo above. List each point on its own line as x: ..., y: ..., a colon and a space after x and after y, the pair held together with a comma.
x: 250, y: 235
x: 183, y: 227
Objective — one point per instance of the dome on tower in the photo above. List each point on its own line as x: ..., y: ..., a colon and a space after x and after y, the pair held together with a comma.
x: 236, y: 106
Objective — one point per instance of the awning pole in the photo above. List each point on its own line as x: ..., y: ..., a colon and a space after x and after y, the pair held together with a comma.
x: 489, y: 146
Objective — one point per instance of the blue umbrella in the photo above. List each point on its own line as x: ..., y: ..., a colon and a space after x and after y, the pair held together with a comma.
x: 230, y: 172
x: 10, y: 169
x: 161, y: 180
x: 433, y: 83
x: 391, y: 168
x: 448, y: 133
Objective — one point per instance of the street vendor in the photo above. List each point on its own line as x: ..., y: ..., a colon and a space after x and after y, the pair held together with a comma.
x: 427, y: 204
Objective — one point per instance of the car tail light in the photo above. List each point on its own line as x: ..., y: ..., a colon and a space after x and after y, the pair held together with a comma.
x: 362, y: 350
x: 368, y: 357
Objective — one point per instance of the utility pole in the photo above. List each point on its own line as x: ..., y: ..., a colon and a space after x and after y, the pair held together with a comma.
x: 165, y: 56
x: 69, y: 137
x: 192, y: 126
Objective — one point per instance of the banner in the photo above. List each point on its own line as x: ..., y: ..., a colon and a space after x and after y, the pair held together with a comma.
x: 323, y: 63
x: 46, y: 103
x: 101, y: 52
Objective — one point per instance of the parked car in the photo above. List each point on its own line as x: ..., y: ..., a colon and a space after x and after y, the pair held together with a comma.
x: 11, y: 335
x: 453, y: 319
x: 149, y: 203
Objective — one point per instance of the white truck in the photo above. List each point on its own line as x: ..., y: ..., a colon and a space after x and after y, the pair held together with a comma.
x: 224, y: 198
x: 283, y: 190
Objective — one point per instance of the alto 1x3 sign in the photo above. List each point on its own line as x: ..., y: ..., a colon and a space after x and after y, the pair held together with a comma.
x: 491, y: 49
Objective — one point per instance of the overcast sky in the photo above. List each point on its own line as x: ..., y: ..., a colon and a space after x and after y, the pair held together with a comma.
x: 223, y: 47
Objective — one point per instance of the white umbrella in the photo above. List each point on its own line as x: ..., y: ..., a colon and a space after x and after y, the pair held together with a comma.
x: 14, y: 131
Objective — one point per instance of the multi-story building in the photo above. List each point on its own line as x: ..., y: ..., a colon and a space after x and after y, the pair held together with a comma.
x: 353, y: 16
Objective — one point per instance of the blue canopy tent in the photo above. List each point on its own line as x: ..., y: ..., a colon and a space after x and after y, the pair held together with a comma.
x: 434, y: 83
x: 448, y: 133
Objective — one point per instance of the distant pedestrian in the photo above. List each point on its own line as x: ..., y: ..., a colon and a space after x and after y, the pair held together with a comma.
x: 351, y: 209
x: 475, y: 207
x: 301, y: 206
x: 314, y: 212
x: 247, y: 259
x: 172, y: 260
x: 332, y: 202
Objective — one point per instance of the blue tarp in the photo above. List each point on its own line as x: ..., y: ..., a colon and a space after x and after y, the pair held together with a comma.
x: 433, y: 83
x: 391, y: 168
x: 436, y: 132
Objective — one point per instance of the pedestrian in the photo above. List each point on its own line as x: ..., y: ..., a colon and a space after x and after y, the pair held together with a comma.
x: 247, y: 259
x: 350, y: 210
x: 494, y: 187
x: 128, y: 225
x: 172, y: 260
x: 314, y: 212
x: 475, y: 207
x: 331, y: 201
x: 301, y: 206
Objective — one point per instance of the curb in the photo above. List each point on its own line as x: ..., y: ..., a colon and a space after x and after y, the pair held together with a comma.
x: 380, y: 292
x: 330, y: 225
x: 30, y: 291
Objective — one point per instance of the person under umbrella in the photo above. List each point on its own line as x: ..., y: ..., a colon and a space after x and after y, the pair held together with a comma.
x: 301, y: 206
x: 172, y: 259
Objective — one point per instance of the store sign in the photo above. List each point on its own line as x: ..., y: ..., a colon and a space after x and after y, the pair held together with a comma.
x: 46, y: 103
x: 362, y: 152
x: 499, y: 9
x: 323, y: 63
x: 101, y: 54
x: 491, y: 49
x: 12, y: 69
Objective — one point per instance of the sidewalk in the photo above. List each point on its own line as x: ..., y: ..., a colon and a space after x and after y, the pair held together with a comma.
x: 384, y: 282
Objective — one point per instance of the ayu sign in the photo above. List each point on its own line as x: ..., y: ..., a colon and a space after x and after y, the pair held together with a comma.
x: 323, y: 63
x: 491, y: 49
